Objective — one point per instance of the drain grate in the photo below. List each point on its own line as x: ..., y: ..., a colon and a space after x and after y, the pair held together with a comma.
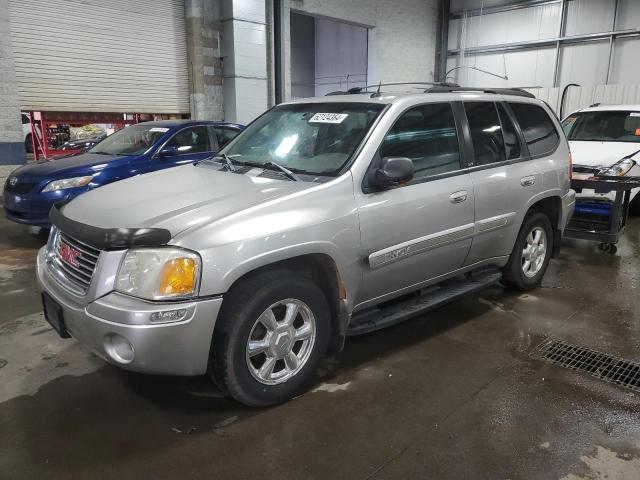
x: 601, y: 365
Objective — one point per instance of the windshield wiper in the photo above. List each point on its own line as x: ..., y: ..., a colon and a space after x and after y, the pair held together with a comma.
x: 227, y: 162
x: 284, y: 170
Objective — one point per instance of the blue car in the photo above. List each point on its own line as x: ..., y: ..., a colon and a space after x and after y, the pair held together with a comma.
x: 31, y: 190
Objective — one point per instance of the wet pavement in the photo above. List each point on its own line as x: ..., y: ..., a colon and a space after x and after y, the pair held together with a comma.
x: 453, y: 394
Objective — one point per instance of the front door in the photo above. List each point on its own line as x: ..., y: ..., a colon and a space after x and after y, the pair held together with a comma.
x: 192, y: 144
x: 423, y: 229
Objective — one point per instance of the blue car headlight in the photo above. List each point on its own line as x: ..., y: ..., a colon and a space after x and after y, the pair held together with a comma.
x: 65, y: 183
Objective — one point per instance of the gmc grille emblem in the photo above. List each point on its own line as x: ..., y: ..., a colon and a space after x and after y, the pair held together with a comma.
x: 69, y: 254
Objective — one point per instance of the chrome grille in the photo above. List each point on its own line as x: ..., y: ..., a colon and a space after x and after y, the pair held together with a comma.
x: 76, y: 277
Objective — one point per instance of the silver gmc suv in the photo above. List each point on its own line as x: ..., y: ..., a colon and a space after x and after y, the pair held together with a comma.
x: 327, y: 217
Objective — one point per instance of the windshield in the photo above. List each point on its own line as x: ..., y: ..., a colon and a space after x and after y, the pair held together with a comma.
x: 132, y: 140
x: 313, y: 138
x: 611, y: 126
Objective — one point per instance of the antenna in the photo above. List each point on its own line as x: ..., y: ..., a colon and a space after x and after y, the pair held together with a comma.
x: 503, y: 77
x: 377, y: 94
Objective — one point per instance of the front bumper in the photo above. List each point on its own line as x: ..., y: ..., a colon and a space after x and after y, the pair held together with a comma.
x: 108, y: 323
x: 33, y: 208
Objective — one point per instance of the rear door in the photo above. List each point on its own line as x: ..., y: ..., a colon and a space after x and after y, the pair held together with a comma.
x: 504, y: 178
x: 423, y: 229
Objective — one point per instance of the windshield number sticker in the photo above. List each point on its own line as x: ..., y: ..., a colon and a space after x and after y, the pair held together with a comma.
x: 159, y: 129
x: 328, y: 117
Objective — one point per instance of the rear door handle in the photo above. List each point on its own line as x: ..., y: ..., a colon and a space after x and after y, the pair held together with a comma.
x: 528, y: 181
x: 458, y: 197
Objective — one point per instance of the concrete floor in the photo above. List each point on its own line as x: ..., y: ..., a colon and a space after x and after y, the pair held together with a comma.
x: 455, y: 394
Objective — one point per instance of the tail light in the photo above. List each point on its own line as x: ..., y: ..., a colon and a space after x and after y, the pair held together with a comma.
x: 570, y: 166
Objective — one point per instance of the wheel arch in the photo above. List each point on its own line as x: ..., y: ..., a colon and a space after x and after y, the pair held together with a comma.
x: 322, y: 269
x: 551, y: 206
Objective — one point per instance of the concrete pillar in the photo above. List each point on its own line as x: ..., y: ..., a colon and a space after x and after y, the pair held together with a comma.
x: 11, y: 138
x: 244, y: 48
x: 202, y: 18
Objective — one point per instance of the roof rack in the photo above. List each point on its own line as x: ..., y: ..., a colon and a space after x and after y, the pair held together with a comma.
x: 516, y: 92
x: 437, y: 87
x: 357, y: 90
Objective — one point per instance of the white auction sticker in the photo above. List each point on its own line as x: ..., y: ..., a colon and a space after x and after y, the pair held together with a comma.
x: 635, y: 114
x: 159, y: 129
x: 328, y: 117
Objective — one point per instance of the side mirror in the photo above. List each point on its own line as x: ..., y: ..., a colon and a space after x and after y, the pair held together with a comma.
x: 168, y: 151
x: 393, y: 172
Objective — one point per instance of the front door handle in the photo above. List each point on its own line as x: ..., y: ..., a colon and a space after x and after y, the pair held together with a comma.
x: 528, y: 181
x: 458, y: 197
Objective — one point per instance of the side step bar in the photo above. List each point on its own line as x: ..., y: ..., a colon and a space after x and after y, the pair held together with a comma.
x: 397, y: 311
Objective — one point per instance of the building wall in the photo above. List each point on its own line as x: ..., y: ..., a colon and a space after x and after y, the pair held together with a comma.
x: 606, y: 69
x: 11, y: 139
x: 203, y: 26
x: 586, y: 63
x: 402, y: 38
x: 244, y: 48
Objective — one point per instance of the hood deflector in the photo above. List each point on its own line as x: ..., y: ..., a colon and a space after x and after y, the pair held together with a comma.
x: 108, y: 238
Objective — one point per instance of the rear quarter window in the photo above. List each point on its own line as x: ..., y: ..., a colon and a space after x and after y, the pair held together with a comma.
x: 538, y: 129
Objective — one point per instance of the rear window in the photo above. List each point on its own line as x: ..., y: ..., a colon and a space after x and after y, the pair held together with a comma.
x: 612, y: 126
x: 538, y: 129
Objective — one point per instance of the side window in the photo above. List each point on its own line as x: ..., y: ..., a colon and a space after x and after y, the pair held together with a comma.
x: 486, y: 132
x: 511, y: 140
x: 427, y: 135
x: 538, y: 129
x: 191, y: 140
x: 224, y: 135
x: 25, y: 119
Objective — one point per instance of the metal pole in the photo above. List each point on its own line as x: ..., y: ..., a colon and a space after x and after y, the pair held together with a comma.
x: 561, y: 30
x: 35, y: 140
x: 278, y: 49
x: 45, y: 137
x: 443, y: 41
x: 611, y: 38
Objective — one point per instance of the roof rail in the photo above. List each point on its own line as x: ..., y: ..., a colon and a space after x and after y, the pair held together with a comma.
x: 516, y: 92
x: 357, y: 90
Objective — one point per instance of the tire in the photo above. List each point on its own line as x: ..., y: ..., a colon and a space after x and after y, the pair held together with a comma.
x: 516, y: 274
x: 238, y: 372
x: 28, y: 144
x: 634, y: 206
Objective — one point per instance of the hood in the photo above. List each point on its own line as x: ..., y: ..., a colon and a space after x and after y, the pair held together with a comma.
x: 176, y: 199
x: 600, y: 154
x: 71, y: 166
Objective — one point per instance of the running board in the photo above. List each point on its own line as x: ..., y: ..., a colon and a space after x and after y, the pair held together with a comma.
x: 397, y: 311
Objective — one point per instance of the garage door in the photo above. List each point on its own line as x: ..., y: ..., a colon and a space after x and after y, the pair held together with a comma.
x: 100, y: 55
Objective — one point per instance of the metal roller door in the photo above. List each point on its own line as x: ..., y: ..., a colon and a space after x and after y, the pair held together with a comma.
x: 100, y: 55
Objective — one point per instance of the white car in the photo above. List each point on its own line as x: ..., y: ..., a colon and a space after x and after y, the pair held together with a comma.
x: 605, y: 139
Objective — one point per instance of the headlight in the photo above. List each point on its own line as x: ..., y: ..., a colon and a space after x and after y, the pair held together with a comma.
x: 619, y: 169
x: 159, y: 273
x: 67, y: 183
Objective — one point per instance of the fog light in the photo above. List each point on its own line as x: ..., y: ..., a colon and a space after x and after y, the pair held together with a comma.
x: 118, y: 348
x: 169, y: 316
